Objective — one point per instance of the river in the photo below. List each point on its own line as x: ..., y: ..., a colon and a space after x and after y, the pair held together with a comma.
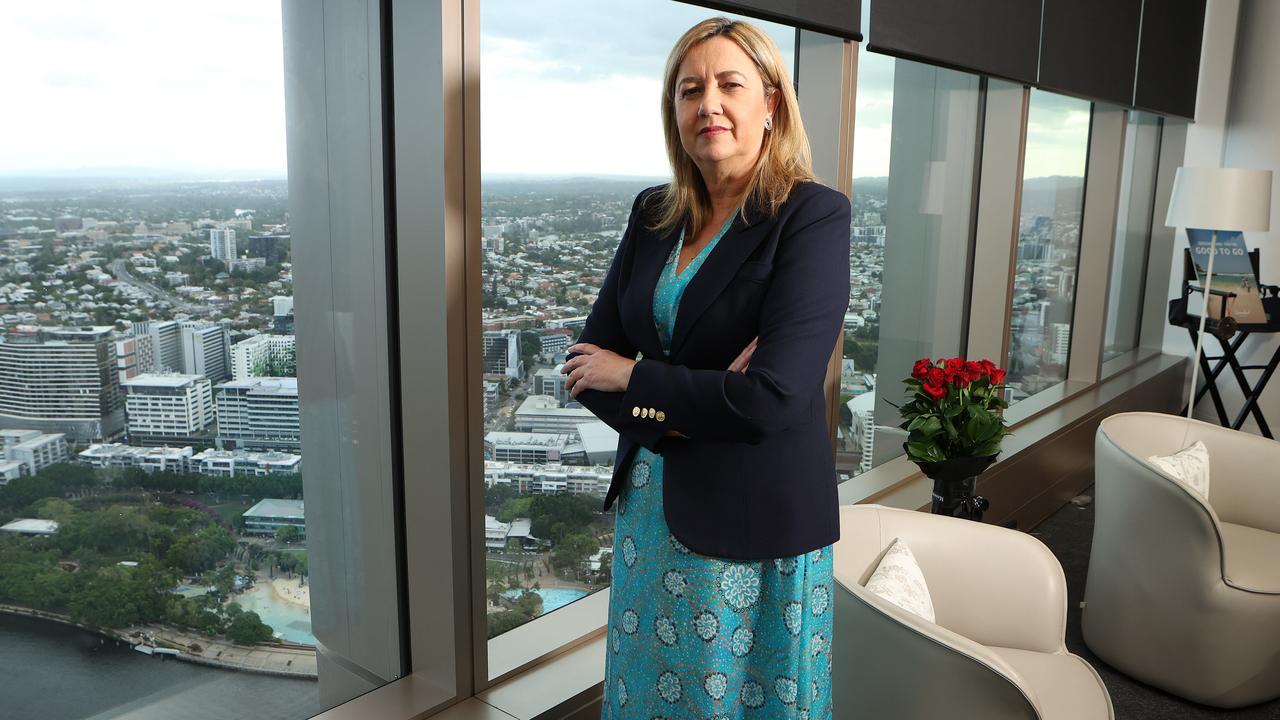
x: 50, y: 671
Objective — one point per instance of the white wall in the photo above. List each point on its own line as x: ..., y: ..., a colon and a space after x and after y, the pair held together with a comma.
x: 1238, y: 125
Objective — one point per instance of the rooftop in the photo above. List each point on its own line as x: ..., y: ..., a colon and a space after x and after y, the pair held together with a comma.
x: 276, y: 508
x: 114, y: 449
x: 31, y: 526
x: 549, y: 440
x: 597, y: 437
x: 172, y: 380
x: 263, y: 384
x: 548, y: 405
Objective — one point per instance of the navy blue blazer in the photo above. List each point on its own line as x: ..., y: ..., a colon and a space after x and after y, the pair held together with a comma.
x: 756, y: 477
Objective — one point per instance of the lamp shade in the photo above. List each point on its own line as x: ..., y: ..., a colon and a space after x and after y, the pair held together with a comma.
x: 1210, y: 198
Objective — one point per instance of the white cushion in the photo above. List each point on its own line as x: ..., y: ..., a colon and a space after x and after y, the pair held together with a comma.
x: 1190, y: 465
x: 898, y: 579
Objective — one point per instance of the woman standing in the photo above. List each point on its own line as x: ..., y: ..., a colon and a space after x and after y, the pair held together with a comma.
x: 731, y: 282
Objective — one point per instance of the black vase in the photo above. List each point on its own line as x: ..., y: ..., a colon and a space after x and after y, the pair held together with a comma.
x: 954, y: 481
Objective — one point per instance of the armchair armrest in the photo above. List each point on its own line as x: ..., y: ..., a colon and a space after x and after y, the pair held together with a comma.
x: 1243, y: 485
x: 996, y: 586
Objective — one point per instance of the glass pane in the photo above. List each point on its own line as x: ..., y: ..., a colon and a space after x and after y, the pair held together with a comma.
x: 1044, y: 282
x: 915, y: 145
x: 1133, y: 233
x: 154, y: 559
x: 553, y: 211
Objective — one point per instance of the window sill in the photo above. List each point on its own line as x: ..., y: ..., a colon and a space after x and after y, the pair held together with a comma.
x: 914, y: 491
x: 568, y: 683
x: 519, y: 649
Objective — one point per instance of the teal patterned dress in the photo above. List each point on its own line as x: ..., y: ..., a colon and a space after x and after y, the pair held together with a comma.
x: 693, y: 637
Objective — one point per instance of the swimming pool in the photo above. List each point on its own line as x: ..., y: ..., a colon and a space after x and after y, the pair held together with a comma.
x: 552, y: 598
x: 290, y: 621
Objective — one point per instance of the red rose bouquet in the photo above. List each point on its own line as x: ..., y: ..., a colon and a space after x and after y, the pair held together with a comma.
x: 954, y: 410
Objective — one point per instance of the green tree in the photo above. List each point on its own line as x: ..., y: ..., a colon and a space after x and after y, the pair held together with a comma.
x: 116, y: 596
x: 247, y: 628
x: 497, y: 494
x: 288, y: 534
x: 572, y: 550
x: 606, y: 566
x: 223, y: 579
x: 193, y: 554
x: 513, y: 508
x: 55, y: 509
x: 557, y: 515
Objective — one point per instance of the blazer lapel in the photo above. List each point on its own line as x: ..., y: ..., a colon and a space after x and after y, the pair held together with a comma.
x: 648, y: 267
x: 717, y: 269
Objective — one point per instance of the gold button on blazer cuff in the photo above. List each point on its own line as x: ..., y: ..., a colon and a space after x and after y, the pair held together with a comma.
x: 635, y: 411
x: 652, y: 412
x: 661, y: 416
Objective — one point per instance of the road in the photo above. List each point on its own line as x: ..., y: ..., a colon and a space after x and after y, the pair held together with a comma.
x: 120, y: 268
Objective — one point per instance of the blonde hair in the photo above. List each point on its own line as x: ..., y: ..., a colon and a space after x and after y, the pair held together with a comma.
x: 784, y: 156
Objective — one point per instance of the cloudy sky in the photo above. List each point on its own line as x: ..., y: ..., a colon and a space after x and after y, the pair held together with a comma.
x: 161, y: 85
x: 196, y: 87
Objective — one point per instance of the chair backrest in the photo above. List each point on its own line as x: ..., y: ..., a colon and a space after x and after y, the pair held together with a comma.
x: 1148, y: 524
x: 884, y: 667
x: 893, y: 655
x: 1143, y: 434
x: 978, y: 575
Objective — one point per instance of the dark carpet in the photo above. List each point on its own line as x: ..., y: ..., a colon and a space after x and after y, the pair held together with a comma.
x: 1069, y: 534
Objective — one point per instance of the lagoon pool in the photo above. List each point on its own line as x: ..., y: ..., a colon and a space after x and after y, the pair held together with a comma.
x: 552, y: 598
x: 290, y: 621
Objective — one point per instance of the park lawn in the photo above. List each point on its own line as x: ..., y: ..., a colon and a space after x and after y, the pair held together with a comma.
x: 228, y: 510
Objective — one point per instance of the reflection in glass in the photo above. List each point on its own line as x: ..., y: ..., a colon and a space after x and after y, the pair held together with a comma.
x: 150, y: 463
x: 915, y: 145
x: 1044, y: 283
x: 1133, y: 233
x: 555, y: 200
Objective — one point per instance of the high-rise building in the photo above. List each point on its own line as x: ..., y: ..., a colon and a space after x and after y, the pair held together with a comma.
x: 258, y: 413
x: 263, y: 356
x: 862, y: 411
x: 166, y: 343
x: 490, y: 397
x: 1061, y: 338
x: 550, y: 381
x: 222, y: 243
x: 502, y: 353
x: 62, y: 380
x: 555, y: 341
x: 206, y: 350
x: 282, y: 310
x: 267, y: 246
x: 168, y: 407
x: 135, y: 355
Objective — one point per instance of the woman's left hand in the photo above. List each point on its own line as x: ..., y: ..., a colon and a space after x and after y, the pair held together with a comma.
x: 597, y: 369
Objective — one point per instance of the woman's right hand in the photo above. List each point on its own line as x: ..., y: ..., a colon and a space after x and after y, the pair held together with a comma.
x: 741, y: 362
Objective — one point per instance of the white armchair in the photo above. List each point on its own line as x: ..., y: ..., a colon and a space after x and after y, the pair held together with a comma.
x: 1184, y: 594
x: 997, y: 649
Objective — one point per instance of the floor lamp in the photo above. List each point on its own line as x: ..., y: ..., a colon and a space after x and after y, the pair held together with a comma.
x: 1214, y: 199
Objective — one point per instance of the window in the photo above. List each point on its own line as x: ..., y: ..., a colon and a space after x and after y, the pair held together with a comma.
x: 1133, y: 233
x: 156, y: 400
x: 585, y: 83
x: 915, y: 149
x: 1045, y: 267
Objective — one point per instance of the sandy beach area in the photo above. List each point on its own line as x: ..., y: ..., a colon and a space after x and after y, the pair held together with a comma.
x: 291, y: 592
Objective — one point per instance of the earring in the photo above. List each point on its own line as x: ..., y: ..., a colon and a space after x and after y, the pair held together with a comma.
x: 768, y: 122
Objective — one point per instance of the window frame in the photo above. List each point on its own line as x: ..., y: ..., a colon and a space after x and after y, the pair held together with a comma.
x: 433, y: 149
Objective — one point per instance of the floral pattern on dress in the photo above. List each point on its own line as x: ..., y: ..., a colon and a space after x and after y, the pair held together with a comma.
x: 729, y: 639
